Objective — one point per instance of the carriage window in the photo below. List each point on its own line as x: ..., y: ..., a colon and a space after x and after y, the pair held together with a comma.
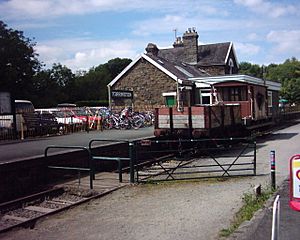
x: 234, y: 93
x: 205, y: 96
x: 270, y: 100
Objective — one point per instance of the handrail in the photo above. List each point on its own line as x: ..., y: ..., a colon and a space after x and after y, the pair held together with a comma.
x: 131, y: 157
x: 106, y: 140
x: 91, y: 166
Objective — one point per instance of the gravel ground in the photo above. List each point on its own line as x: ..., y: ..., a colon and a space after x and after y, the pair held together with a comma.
x: 173, y: 210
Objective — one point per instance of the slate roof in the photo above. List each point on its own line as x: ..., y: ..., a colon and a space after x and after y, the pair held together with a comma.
x: 213, y: 54
x: 181, y: 70
x: 208, y: 54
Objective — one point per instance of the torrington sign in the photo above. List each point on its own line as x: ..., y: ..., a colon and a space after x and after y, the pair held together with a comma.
x: 121, y: 94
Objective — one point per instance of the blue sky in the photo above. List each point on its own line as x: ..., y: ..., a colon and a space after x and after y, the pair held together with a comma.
x: 85, y: 33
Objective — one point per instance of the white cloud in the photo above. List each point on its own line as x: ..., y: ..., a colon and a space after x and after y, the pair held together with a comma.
x: 83, y: 53
x: 252, y: 37
x: 167, y: 23
x: 246, y: 49
x: 287, y: 42
x: 41, y: 9
x: 268, y: 8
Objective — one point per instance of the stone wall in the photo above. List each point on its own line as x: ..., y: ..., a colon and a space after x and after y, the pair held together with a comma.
x: 147, y: 83
x: 214, y: 70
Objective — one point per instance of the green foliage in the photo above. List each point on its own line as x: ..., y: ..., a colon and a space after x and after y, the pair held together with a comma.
x: 93, y: 84
x: 287, y: 73
x: 59, y: 84
x: 18, y: 62
x: 253, y: 70
x: 291, y: 90
x: 251, y: 204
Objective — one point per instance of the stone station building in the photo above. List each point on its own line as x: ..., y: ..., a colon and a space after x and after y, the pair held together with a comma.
x: 177, y: 75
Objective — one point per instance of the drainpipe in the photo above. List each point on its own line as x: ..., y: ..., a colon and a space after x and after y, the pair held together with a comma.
x: 109, y: 97
x: 178, y: 98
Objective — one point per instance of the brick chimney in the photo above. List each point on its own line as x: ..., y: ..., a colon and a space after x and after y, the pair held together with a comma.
x: 190, y: 44
x: 152, y: 49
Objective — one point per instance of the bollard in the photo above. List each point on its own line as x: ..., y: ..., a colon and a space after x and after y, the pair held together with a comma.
x: 272, y: 161
x: 132, y: 161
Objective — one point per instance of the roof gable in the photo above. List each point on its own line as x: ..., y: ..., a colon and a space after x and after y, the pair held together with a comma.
x: 150, y: 60
x: 213, y: 54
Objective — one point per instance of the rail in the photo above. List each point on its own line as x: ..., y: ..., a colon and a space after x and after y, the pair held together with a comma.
x: 91, y: 166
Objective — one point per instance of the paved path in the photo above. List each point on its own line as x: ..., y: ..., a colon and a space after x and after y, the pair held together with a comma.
x: 20, y: 150
x: 193, y: 210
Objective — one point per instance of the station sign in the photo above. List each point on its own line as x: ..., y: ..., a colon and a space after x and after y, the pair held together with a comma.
x: 295, y: 182
x: 121, y: 94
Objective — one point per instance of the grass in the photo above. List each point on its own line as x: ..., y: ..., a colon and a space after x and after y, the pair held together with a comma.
x: 251, y: 204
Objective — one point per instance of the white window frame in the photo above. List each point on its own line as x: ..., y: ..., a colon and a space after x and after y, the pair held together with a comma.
x: 205, y: 93
x: 270, y: 98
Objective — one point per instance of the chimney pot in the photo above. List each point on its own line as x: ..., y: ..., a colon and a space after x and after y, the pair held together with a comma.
x: 152, y: 49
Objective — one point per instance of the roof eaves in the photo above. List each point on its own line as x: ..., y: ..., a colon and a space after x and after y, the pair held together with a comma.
x: 228, y: 52
x: 234, y: 54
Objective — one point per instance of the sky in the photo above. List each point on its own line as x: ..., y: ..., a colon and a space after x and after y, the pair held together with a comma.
x: 82, y: 34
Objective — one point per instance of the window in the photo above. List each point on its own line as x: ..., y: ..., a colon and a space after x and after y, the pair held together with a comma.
x: 205, y: 96
x: 270, y: 103
x: 234, y: 93
x: 184, y: 71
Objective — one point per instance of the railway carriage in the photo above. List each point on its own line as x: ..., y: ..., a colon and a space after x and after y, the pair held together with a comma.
x: 230, y: 106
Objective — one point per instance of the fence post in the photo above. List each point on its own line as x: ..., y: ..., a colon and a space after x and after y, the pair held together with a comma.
x: 132, y: 161
x: 254, y: 142
x: 272, y: 161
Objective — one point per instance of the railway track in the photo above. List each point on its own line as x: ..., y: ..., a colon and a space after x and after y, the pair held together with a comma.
x: 26, y: 211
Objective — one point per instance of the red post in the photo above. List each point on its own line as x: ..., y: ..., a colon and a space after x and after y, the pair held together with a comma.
x: 272, y: 161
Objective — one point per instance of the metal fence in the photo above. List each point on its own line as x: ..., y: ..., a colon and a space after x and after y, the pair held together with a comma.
x: 195, y: 158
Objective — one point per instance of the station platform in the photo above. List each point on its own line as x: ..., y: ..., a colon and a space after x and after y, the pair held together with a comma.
x: 19, y: 150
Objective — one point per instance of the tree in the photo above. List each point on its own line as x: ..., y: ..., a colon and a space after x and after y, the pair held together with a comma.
x: 288, y: 73
x: 93, y: 84
x: 285, y: 71
x: 250, y: 69
x: 291, y: 90
x: 18, y: 62
x: 117, y: 65
x: 53, y: 86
